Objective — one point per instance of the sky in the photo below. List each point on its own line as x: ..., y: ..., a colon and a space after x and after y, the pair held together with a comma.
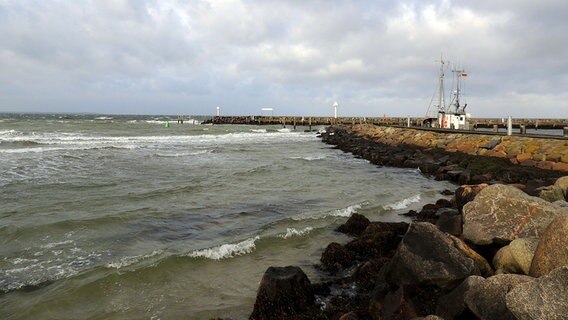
x: 374, y: 58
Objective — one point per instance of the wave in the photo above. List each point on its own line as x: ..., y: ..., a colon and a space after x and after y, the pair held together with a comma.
x: 402, y: 204
x: 292, y: 232
x: 259, y: 130
x: 344, y: 212
x: 226, y: 251
x: 284, y: 130
x: 104, y: 118
x: 183, y: 154
x: 128, y: 261
x: 310, y: 158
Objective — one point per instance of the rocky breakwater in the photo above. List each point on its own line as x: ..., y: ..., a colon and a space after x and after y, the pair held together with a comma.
x: 510, y: 262
x: 463, y: 158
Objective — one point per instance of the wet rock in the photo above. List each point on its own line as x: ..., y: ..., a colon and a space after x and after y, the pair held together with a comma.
x: 486, y: 298
x: 283, y: 292
x: 452, y: 305
x: 450, y: 221
x: 501, y: 213
x: 447, y: 192
x: 427, y: 256
x: 467, y: 193
x: 443, y: 203
x: 373, y: 245
x: 552, y: 249
x: 349, y: 316
x: 336, y: 257
x: 367, y: 274
x: 355, y: 225
x: 408, y: 302
x: 543, y: 298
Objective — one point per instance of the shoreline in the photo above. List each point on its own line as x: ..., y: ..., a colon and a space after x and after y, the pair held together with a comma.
x: 454, y: 267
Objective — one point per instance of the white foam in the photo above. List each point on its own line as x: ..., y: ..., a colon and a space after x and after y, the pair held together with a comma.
x: 227, y: 250
x: 128, y: 261
x: 402, y: 204
x: 292, y: 232
x: 284, y: 130
x: 259, y: 130
x: 103, y: 118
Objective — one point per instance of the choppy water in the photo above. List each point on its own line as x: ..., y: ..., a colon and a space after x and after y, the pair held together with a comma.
x: 118, y: 217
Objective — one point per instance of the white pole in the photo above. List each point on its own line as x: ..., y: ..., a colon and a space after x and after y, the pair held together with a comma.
x: 408, y: 121
x: 335, y: 105
x: 218, y: 111
x: 509, y: 126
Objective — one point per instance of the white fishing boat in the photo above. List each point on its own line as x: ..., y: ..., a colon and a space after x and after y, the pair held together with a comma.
x: 452, y: 115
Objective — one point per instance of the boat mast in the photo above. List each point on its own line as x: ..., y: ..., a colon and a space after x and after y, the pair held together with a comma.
x: 442, y: 105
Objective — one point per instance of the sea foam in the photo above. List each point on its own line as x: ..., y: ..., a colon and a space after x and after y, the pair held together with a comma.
x: 226, y: 251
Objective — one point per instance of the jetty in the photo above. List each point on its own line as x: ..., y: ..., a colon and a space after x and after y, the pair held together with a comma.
x: 530, y: 123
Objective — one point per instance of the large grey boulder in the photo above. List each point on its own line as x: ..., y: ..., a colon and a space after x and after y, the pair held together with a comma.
x: 502, y: 213
x: 552, y: 249
x: 427, y: 256
x: 486, y: 298
x: 543, y: 298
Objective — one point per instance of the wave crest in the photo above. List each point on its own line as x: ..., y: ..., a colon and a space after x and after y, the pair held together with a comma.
x: 226, y: 251
x: 292, y: 232
x: 402, y: 204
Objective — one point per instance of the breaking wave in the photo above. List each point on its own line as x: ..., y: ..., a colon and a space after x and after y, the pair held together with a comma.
x: 292, y: 232
x: 402, y: 204
x: 226, y: 251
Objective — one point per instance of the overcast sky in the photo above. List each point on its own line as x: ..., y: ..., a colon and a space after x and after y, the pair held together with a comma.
x: 373, y: 57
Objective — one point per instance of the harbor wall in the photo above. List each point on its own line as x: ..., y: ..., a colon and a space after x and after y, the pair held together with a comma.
x: 548, y: 154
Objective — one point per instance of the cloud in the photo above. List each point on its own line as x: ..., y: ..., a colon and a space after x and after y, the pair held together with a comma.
x: 375, y: 57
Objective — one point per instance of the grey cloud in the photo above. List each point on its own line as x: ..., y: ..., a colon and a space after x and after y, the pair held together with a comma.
x: 376, y: 57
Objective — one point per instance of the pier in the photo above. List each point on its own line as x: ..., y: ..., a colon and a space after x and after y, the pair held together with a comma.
x: 528, y: 123
x: 520, y: 125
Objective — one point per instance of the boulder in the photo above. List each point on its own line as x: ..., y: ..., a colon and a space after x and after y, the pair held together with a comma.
x: 552, y: 249
x: 355, y: 225
x: 427, y: 256
x: 516, y: 257
x: 480, y: 262
x: 467, y: 193
x: 336, y: 257
x: 409, y: 302
x: 501, y: 213
x: 452, y: 305
x: 450, y: 221
x: 380, y: 239
x: 543, y: 298
x: 283, y: 292
x: 562, y: 183
x: 349, y: 316
x: 551, y: 193
x: 486, y: 298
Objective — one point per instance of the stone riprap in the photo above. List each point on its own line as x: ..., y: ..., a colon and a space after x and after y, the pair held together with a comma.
x: 550, y: 154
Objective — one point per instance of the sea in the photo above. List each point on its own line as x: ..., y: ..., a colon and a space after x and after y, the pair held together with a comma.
x: 139, y: 217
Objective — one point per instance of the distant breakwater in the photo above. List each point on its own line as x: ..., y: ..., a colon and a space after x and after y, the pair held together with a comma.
x: 528, y: 123
x: 466, y: 158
